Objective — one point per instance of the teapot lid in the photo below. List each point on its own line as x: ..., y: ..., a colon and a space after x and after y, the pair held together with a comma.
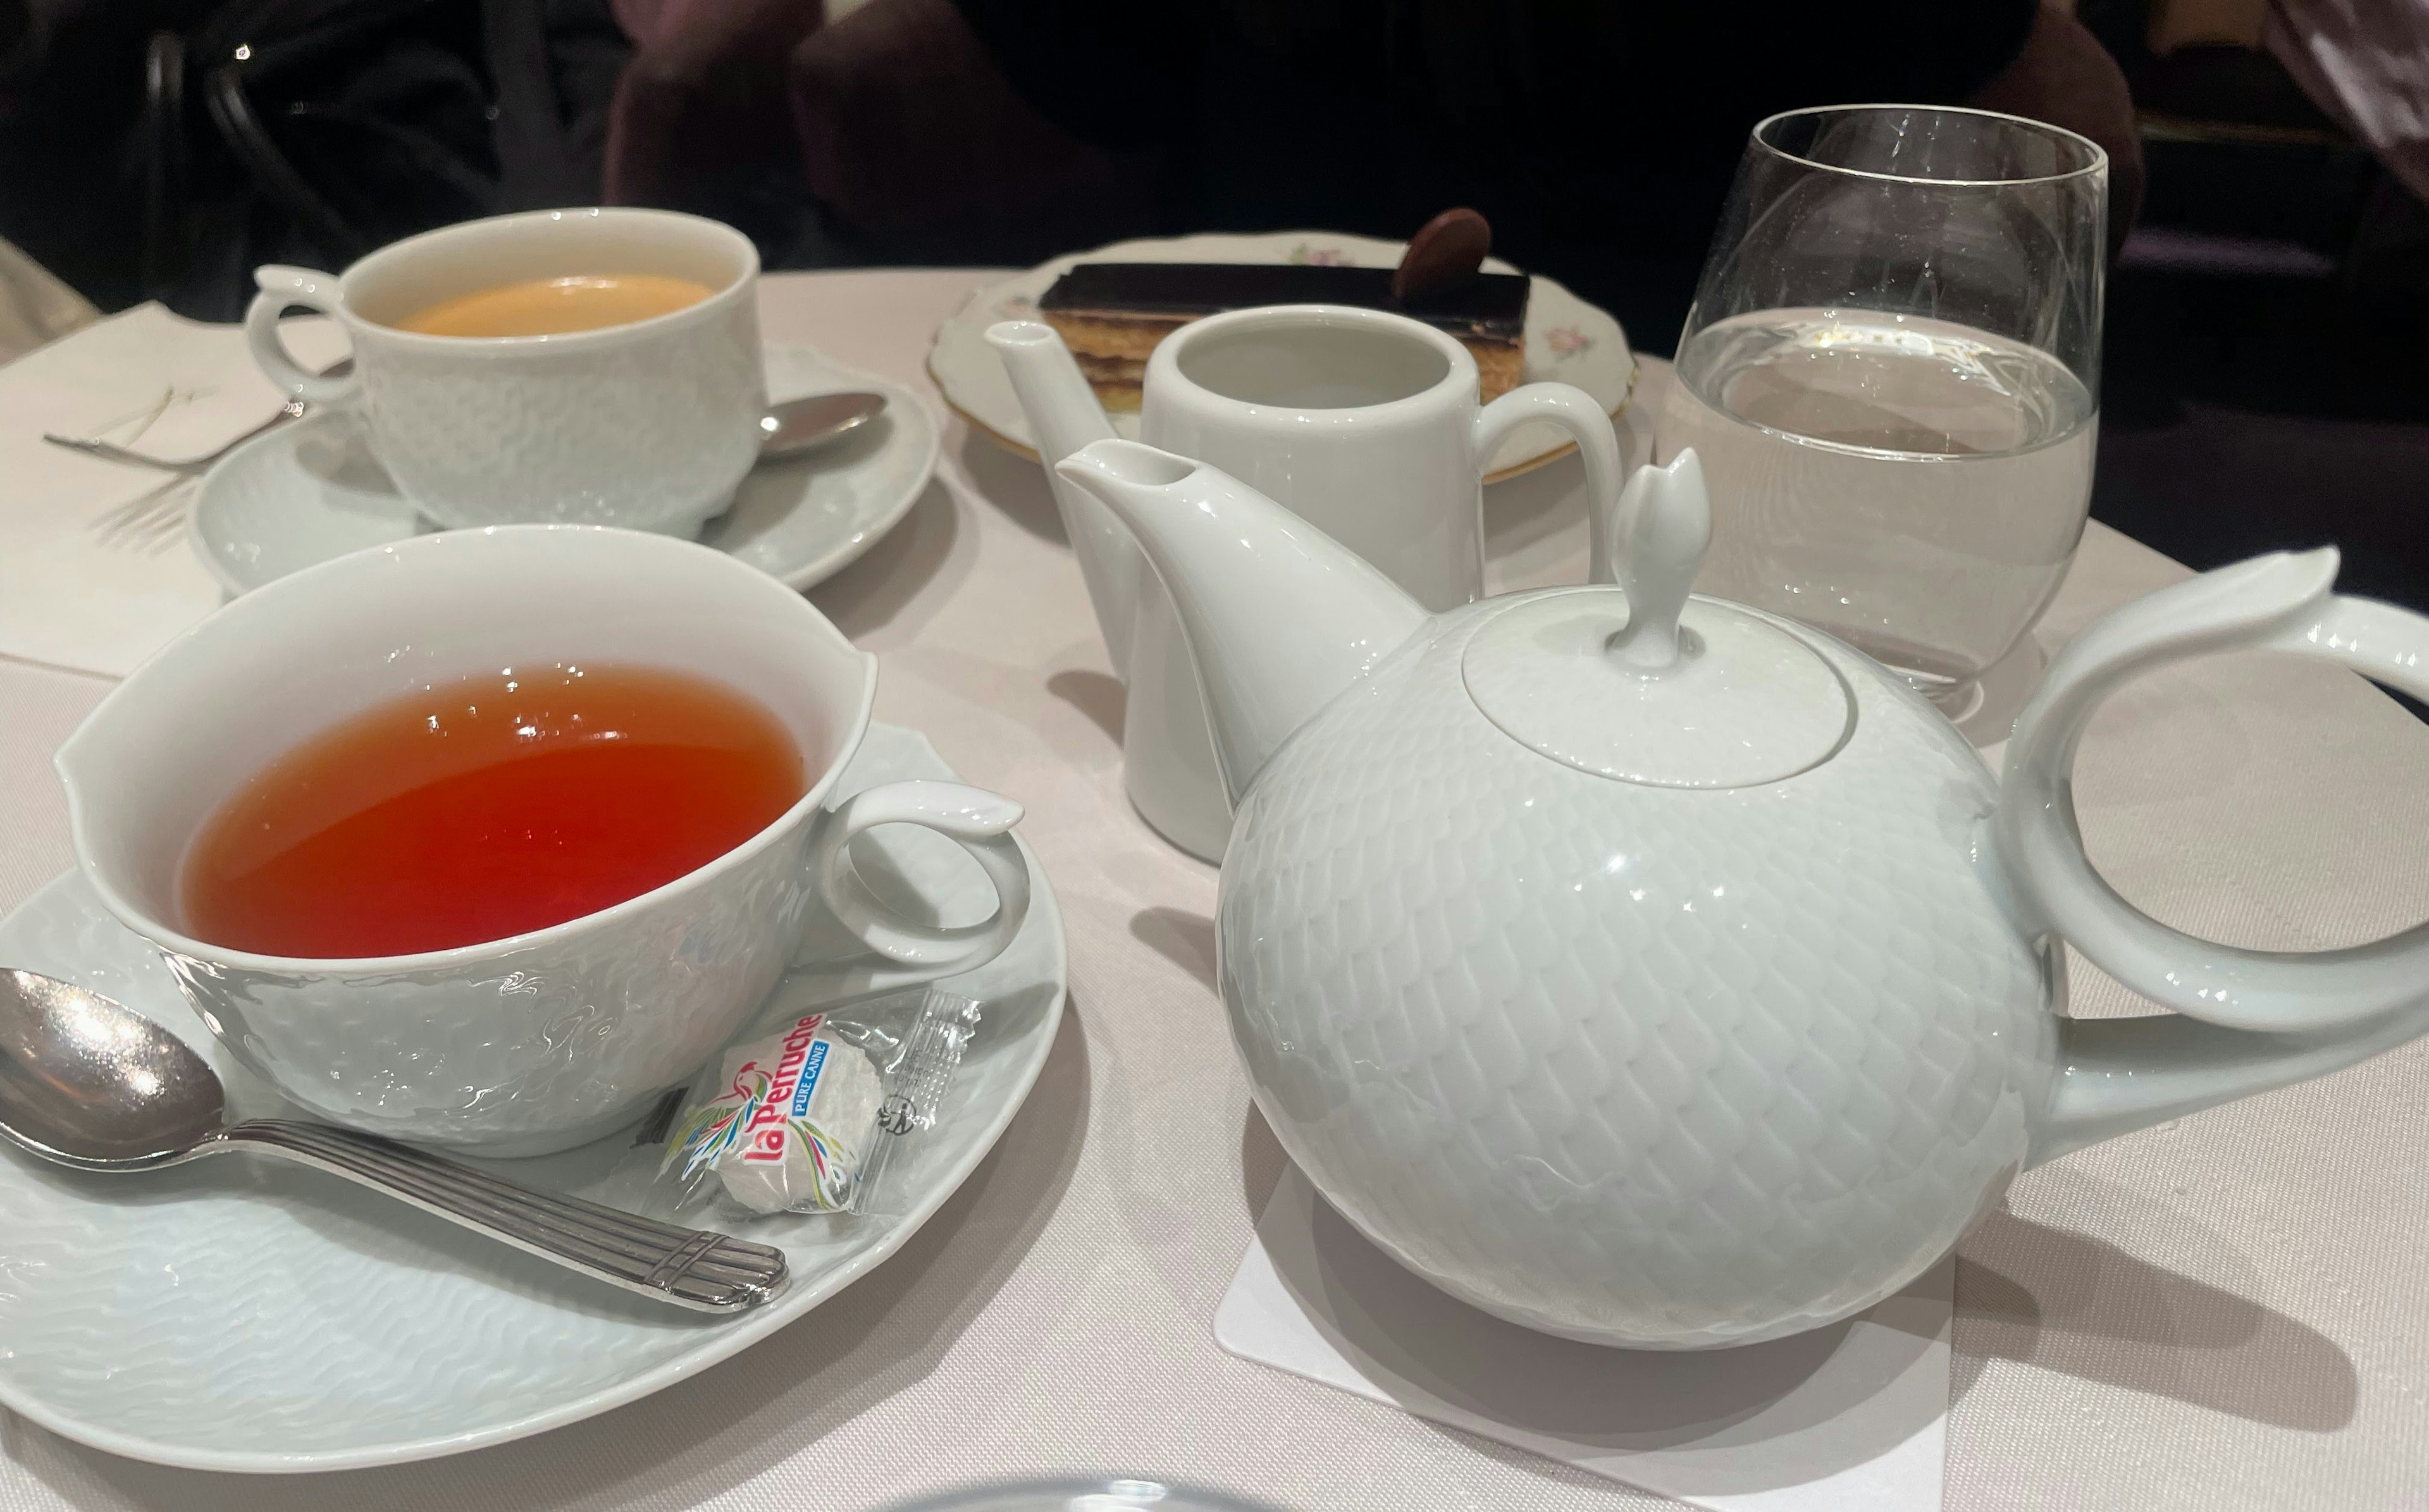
x: 1642, y: 683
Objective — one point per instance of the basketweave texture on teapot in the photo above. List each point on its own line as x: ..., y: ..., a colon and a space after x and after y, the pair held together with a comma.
x: 1652, y: 971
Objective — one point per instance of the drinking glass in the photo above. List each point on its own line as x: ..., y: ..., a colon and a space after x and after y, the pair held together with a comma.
x: 1891, y: 374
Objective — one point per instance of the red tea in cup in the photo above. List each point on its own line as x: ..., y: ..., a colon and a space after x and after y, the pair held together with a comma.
x: 489, y: 807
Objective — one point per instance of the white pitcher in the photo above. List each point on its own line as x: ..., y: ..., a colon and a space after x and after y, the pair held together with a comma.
x: 1363, y: 421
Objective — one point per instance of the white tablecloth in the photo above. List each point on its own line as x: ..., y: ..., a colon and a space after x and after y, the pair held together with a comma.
x: 2233, y: 1313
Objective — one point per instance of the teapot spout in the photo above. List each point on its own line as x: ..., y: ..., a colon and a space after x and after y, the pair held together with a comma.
x: 1279, y: 617
x: 1064, y: 416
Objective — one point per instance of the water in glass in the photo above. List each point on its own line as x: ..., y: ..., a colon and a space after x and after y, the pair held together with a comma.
x: 1886, y: 478
x: 1891, y: 372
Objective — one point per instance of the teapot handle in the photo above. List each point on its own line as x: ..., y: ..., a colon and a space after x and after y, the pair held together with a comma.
x: 2280, y: 603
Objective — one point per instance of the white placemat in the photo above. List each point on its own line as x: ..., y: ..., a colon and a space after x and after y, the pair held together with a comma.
x: 79, y: 588
x: 1847, y: 1419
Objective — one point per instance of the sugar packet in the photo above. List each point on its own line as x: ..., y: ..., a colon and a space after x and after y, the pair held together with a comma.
x: 810, y: 1116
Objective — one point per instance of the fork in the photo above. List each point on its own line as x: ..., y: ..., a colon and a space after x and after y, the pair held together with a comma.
x: 92, y: 446
x: 183, y: 467
x: 151, y: 520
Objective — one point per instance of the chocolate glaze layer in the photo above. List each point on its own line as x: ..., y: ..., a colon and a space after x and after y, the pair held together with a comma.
x: 1489, y: 305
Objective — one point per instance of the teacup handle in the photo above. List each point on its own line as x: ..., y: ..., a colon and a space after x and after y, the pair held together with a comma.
x: 978, y: 820
x: 1574, y: 411
x: 281, y: 287
x: 2280, y: 603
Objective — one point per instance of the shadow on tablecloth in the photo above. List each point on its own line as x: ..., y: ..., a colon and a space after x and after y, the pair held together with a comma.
x: 2079, y: 1306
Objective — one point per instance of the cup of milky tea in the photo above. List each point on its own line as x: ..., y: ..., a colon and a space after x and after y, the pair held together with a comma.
x: 596, y: 366
x: 488, y: 838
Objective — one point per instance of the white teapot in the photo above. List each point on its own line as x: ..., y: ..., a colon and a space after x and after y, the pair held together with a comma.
x: 1648, y: 970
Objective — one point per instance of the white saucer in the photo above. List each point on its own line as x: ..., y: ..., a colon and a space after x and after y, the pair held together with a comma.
x: 1568, y: 340
x: 310, y: 491
x: 243, y: 1316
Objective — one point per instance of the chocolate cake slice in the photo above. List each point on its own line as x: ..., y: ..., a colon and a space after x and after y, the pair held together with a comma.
x: 1112, y: 314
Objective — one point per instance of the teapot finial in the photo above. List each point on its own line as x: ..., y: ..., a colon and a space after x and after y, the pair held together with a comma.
x: 1661, y: 524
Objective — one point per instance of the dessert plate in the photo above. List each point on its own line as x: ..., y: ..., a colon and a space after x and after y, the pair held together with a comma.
x: 307, y: 492
x: 1568, y: 340
x: 245, y: 1316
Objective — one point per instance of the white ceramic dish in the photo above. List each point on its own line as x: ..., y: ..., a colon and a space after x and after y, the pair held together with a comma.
x: 310, y: 491
x: 1568, y: 340
x: 270, y: 1319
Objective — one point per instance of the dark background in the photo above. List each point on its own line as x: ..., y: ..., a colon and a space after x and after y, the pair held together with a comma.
x: 2264, y: 381
x: 2267, y: 365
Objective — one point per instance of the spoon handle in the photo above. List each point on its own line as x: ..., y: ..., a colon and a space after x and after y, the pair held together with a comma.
x: 690, y: 1267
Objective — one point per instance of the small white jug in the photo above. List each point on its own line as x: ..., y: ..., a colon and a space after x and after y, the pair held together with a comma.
x: 1365, y: 422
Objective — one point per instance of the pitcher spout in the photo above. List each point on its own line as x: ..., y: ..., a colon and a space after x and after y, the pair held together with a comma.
x: 1279, y: 617
x: 1064, y: 416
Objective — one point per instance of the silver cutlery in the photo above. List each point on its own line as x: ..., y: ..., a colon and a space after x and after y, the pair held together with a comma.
x: 151, y: 519
x: 800, y: 425
x: 184, y: 466
x: 787, y: 430
x: 90, y: 1083
x: 94, y: 445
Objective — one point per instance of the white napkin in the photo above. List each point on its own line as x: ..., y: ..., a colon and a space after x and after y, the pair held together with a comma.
x: 1847, y: 1419
x: 71, y: 593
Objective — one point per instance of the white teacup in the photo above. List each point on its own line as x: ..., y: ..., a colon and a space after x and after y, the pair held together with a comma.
x: 545, y: 1039
x: 1365, y: 424
x: 649, y: 425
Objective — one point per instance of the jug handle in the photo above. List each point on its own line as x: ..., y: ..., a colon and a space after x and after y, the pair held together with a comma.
x: 1574, y: 411
x: 2245, y: 1020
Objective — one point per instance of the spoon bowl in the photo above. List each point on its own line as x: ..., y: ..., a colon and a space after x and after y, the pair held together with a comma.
x: 90, y: 1083
x: 800, y: 425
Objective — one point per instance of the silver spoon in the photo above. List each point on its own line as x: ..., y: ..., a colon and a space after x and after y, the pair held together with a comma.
x: 800, y: 425
x: 90, y: 1083
x: 787, y: 431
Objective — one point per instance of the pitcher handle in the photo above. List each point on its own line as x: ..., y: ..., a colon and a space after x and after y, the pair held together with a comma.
x: 978, y: 820
x: 1574, y: 411
x: 2280, y: 603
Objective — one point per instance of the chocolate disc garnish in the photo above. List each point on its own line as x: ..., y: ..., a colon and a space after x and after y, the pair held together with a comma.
x: 1445, y: 253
